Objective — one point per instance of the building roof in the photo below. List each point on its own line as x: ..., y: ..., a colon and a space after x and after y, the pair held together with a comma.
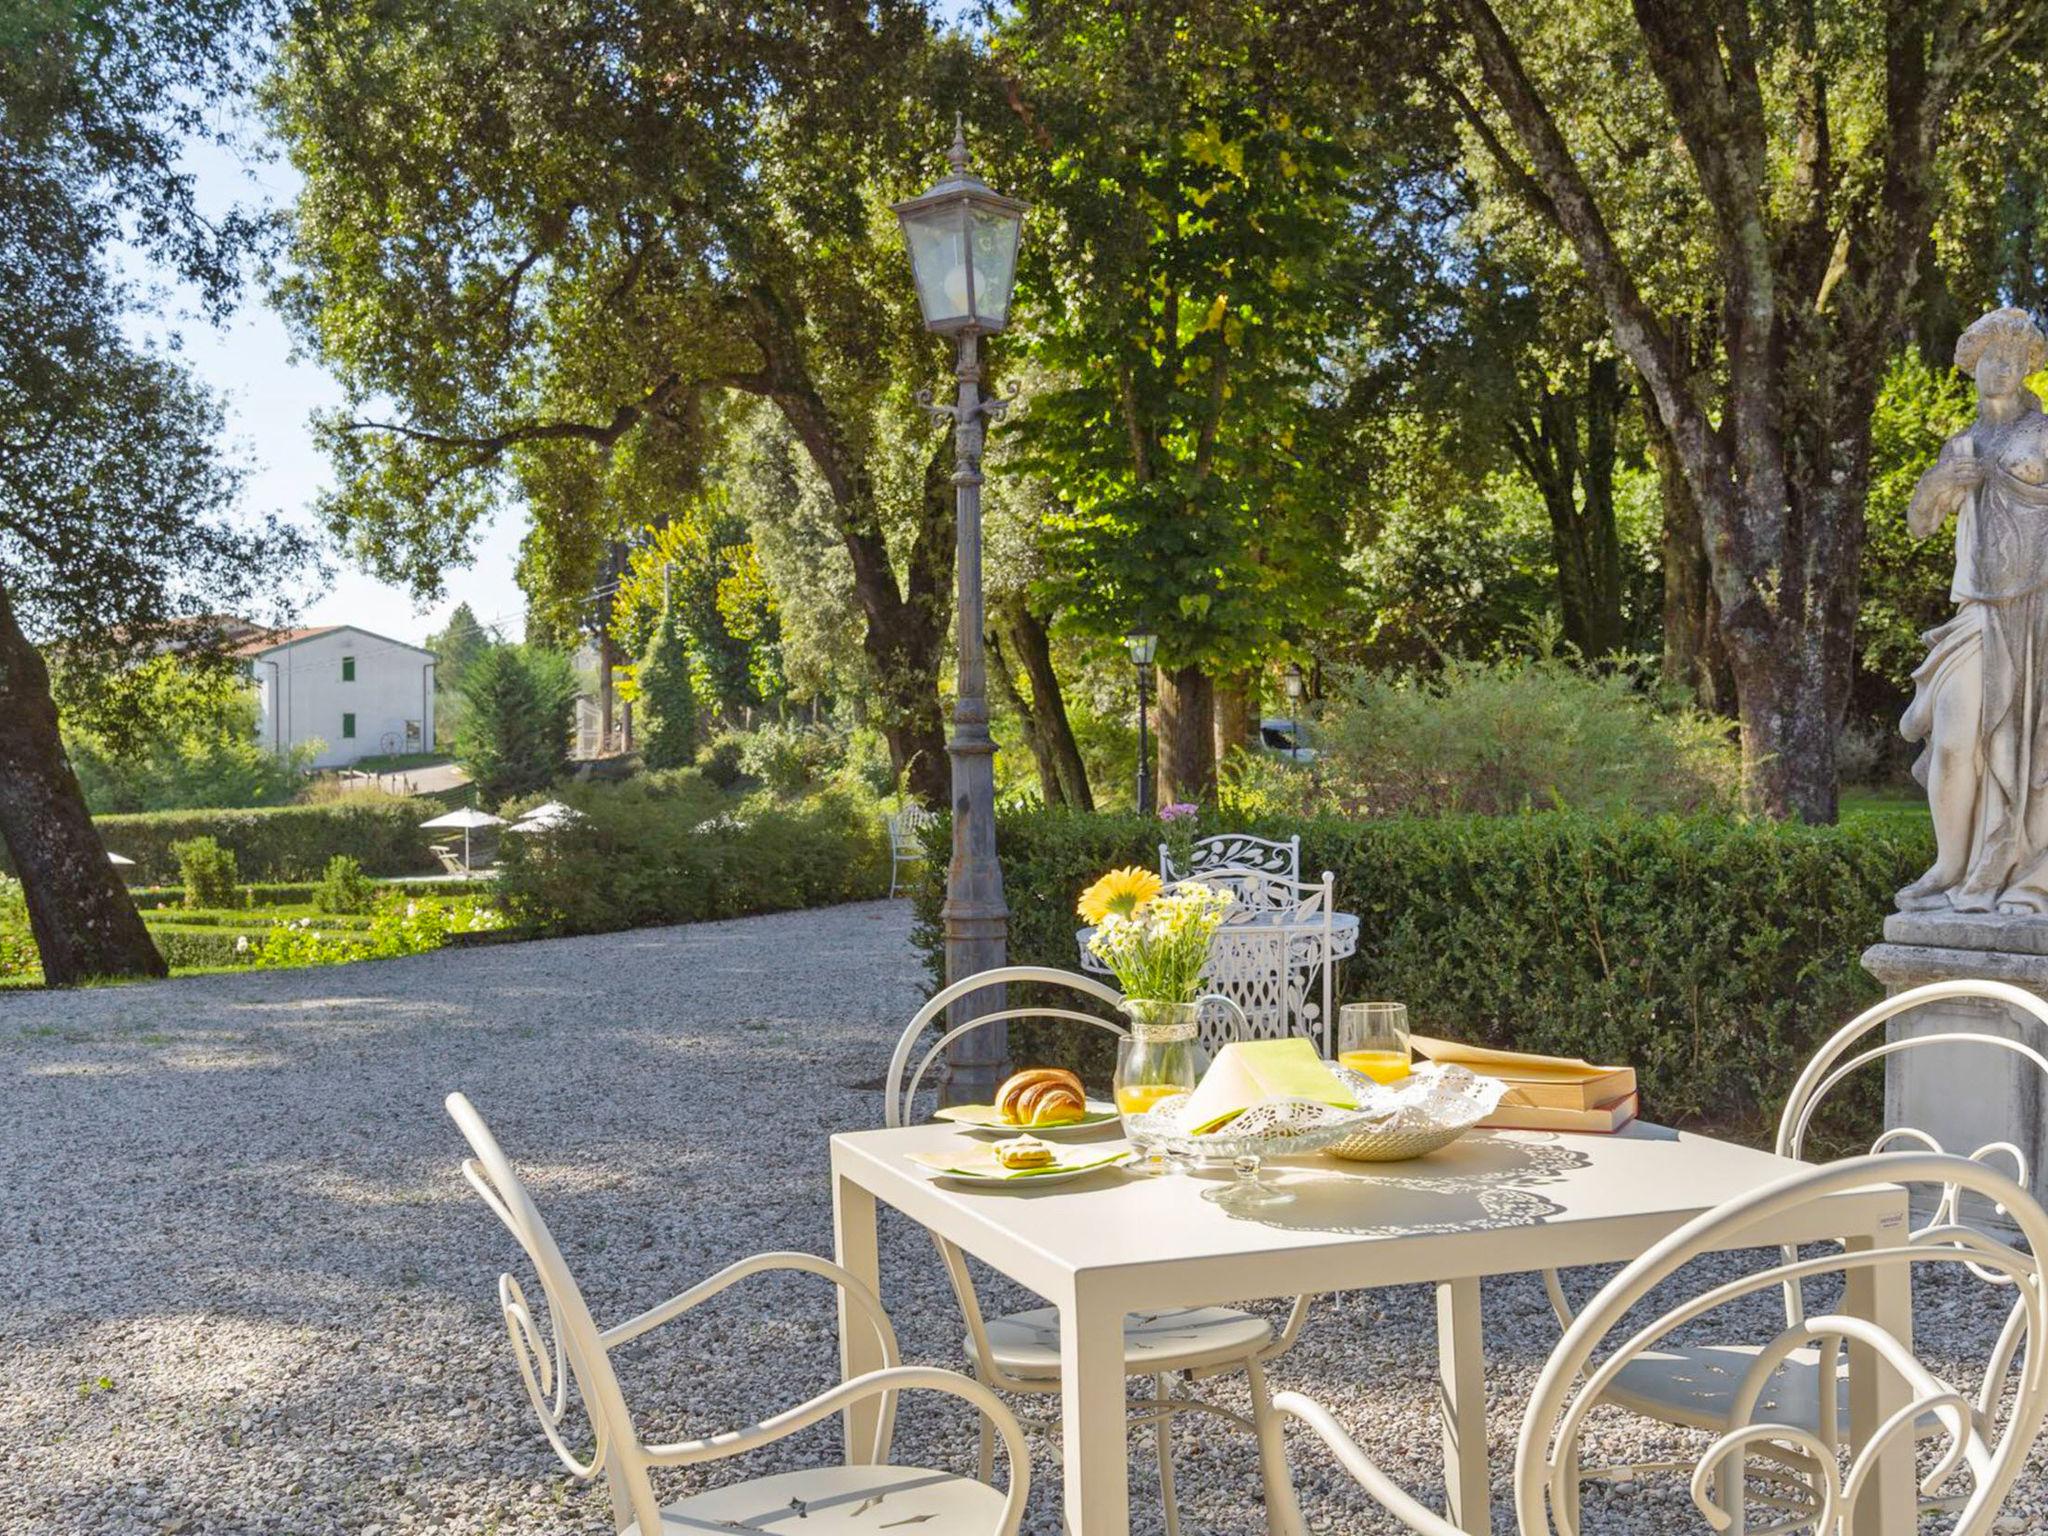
x: 267, y: 641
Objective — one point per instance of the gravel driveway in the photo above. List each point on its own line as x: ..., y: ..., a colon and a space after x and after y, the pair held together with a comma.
x: 245, y: 1290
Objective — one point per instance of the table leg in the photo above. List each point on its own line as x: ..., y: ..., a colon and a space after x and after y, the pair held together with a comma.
x: 1461, y: 1373
x: 1093, y: 1433
x: 855, y: 1246
x: 1884, y: 1296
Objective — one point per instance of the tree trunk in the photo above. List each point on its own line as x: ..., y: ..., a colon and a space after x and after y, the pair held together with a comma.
x: 1187, y: 737
x: 1598, y: 535
x: 84, y: 922
x: 1029, y: 639
x: 1694, y: 658
x: 1233, y: 704
x: 1004, y: 685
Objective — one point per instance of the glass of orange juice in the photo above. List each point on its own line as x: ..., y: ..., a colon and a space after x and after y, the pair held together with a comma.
x: 1372, y: 1038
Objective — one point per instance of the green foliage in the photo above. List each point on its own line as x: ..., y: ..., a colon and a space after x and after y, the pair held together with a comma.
x: 1513, y: 735
x: 672, y: 848
x: 18, y: 959
x: 286, y: 842
x: 263, y: 894
x: 343, y: 887
x: 1715, y: 954
x: 516, y: 714
x: 200, y: 751
x: 666, y: 709
x: 208, y: 871
x: 1906, y: 580
x: 455, y: 646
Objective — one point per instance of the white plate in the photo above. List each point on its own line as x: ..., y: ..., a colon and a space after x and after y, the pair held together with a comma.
x: 1101, y: 1113
x: 1034, y: 1181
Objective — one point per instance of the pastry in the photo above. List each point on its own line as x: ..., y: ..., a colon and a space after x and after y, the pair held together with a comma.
x: 1042, y: 1096
x: 1024, y: 1152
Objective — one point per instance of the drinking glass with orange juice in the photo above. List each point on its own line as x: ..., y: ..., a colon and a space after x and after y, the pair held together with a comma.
x: 1372, y: 1038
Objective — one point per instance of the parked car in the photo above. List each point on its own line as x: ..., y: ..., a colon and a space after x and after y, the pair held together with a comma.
x: 1286, y: 739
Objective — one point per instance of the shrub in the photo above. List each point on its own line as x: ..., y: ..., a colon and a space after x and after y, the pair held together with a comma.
x: 18, y: 958
x: 283, y: 843
x: 667, y: 709
x: 155, y: 898
x: 720, y: 762
x: 516, y: 706
x: 208, y: 871
x: 791, y: 759
x: 1493, y: 738
x: 1715, y: 954
x: 674, y: 849
x: 344, y: 887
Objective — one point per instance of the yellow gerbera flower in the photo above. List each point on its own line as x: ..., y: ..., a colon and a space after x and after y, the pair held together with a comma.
x: 1122, y: 891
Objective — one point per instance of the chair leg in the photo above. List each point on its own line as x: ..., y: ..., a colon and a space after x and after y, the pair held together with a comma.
x: 1162, y: 1439
x: 985, y: 1463
x: 892, y: 874
x: 1571, y: 1488
x: 1283, y: 1514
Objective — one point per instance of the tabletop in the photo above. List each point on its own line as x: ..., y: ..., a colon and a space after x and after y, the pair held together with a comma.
x: 1495, y: 1202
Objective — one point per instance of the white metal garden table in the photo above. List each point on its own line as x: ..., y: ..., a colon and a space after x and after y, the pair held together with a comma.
x: 1495, y: 1203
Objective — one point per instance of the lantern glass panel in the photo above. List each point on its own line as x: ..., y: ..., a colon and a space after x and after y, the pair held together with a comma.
x: 995, y: 264
x: 938, y: 258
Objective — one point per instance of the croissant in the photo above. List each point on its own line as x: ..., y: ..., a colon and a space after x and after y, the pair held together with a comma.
x: 1042, y: 1096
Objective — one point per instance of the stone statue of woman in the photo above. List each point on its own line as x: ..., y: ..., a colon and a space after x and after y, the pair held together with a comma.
x: 1980, y: 700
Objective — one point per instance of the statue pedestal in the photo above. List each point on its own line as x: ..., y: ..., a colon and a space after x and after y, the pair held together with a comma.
x: 1967, y: 1096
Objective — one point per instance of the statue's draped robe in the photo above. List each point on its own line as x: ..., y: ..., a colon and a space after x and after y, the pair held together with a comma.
x: 2001, y: 588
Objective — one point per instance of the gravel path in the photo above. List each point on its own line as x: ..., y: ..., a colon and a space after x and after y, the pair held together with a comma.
x: 245, y: 1290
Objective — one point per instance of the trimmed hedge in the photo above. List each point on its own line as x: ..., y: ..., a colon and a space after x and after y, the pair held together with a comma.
x: 1713, y: 953
x: 172, y: 897
x: 282, y: 842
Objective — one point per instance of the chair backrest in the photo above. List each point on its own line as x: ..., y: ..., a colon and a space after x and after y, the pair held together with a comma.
x: 1234, y: 851
x: 1272, y: 957
x: 1989, y: 1435
x: 574, y: 1337
x: 907, y: 825
x: 901, y: 1092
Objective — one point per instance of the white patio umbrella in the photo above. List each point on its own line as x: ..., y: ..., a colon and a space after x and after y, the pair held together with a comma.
x: 467, y: 818
x: 550, y: 816
x: 115, y: 858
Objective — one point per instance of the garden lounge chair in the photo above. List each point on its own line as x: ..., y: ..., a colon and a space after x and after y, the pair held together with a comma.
x: 821, y: 1501
x: 1020, y: 1352
x: 1975, y: 1437
x: 906, y: 838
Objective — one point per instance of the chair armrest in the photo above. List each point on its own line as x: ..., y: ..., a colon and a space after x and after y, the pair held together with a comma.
x: 1390, y: 1495
x: 865, y: 1300
x: 895, y: 1379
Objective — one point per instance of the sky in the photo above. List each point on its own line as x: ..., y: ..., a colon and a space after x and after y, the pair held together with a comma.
x: 268, y: 398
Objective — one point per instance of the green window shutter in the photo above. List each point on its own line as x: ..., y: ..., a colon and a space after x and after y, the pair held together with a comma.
x: 348, y: 727
x: 348, y: 669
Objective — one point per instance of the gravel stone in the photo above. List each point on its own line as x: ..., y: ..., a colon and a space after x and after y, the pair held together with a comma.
x: 243, y: 1288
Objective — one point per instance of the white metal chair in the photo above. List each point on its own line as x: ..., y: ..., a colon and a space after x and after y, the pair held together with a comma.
x: 1020, y: 1352
x: 1275, y: 955
x: 1234, y: 851
x: 906, y: 838
x: 821, y: 1501
x: 1691, y: 1385
x: 1806, y: 1481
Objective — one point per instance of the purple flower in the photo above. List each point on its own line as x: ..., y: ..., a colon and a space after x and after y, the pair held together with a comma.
x: 1180, y: 810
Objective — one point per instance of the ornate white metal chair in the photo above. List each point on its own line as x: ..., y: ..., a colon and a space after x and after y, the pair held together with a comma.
x: 1692, y: 1384
x: 1276, y: 954
x: 1800, y: 1474
x: 815, y: 1502
x: 1020, y: 1352
x: 1234, y: 851
x: 906, y: 837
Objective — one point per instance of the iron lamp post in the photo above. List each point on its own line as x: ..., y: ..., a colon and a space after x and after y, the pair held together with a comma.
x: 1143, y: 647
x: 1293, y: 682
x: 963, y: 254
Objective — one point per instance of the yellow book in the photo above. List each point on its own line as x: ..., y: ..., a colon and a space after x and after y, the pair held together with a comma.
x: 1547, y: 1082
x: 1252, y: 1071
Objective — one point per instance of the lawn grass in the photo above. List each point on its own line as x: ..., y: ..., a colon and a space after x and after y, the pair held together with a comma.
x: 1889, y: 803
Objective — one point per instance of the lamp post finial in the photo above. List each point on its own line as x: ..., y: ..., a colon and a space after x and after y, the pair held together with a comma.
x: 957, y: 155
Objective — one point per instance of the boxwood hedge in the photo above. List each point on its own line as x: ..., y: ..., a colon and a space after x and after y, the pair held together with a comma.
x: 282, y: 842
x: 1713, y: 953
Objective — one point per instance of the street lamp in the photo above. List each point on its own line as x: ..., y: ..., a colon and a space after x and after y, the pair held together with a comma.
x: 1143, y: 647
x: 1292, y: 681
x: 963, y: 254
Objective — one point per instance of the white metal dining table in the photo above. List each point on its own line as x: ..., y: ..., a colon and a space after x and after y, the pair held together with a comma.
x: 1494, y: 1203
